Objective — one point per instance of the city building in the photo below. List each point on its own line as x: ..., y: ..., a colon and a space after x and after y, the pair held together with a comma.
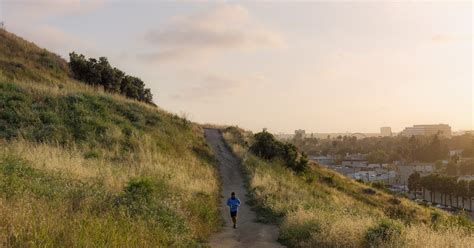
x: 371, y: 176
x: 300, y: 134
x: 354, y: 163
x: 456, y: 152
x: 405, y: 171
x: 386, y: 131
x: 441, y: 129
x: 323, y: 160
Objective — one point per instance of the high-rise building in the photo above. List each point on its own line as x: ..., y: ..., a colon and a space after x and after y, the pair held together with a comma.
x: 386, y: 131
x: 300, y: 134
x: 440, y: 129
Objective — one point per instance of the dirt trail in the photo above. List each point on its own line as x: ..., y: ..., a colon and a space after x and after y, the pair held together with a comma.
x: 248, y: 233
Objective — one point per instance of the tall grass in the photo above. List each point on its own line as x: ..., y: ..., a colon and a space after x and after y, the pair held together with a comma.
x: 323, y: 209
x: 80, y: 167
x: 67, y: 161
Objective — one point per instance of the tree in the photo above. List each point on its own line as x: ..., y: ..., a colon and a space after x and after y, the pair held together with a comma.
x: 413, y: 147
x: 451, y: 188
x: 302, y: 164
x: 471, y: 193
x: 439, y: 165
x: 463, y: 191
x: 428, y: 182
x: 414, y: 182
x: 377, y: 157
x: 466, y: 167
x: 442, y: 188
x: 452, y: 169
x: 100, y: 73
x: 265, y: 146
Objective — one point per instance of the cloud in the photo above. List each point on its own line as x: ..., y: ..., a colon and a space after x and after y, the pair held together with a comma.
x: 43, y: 10
x: 213, y: 86
x: 31, y: 19
x: 445, y: 38
x: 222, y: 29
x: 56, y: 40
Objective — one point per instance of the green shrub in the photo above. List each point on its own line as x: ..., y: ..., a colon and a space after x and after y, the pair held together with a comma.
x: 368, y: 191
x: 137, y: 196
x: 394, y: 201
x: 401, y: 212
x: 267, y: 147
x: 386, y: 233
x: 378, y: 185
x: 293, y: 235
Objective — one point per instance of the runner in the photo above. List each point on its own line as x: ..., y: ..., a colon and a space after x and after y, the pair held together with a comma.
x: 233, y: 203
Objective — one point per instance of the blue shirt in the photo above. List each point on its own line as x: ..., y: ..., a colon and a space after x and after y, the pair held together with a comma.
x: 233, y: 203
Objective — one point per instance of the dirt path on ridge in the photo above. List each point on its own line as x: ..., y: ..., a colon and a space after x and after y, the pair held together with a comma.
x: 249, y: 233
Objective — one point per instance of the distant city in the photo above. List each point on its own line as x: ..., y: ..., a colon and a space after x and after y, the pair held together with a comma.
x: 391, y: 162
x: 415, y: 130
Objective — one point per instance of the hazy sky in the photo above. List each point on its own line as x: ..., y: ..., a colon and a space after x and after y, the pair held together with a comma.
x: 319, y: 66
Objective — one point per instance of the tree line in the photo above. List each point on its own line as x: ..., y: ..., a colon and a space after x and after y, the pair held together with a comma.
x: 100, y: 73
x: 388, y: 149
x: 267, y: 147
x: 447, y: 186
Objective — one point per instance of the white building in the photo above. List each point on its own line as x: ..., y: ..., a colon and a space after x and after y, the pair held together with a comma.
x: 372, y: 176
x: 441, y: 129
x: 323, y: 160
x: 354, y: 163
x: 300, y: 133
x: 406, y: 170
x: 386, y: 131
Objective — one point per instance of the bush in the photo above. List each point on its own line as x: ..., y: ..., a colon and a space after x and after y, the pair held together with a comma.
x: 294, y: 233
x: 402, y: 213
x: 138, y: 195
x: 267, y: 147
x: 368, y: 191
x: 100, y: 73
x: 386, y: 233
x: 378, y: 185
x: 394, y: 201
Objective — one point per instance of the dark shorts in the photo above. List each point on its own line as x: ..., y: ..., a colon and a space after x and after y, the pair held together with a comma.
x: 233, y: 214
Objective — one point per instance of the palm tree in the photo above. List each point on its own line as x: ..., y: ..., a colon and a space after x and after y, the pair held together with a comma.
x: 451, y: 189
x: 443, y: 186
x: 463, y: 191
x: 414, y: 182
x: 424, y: 185
x: 471, y: 193
x: 436, y: 186
x: 430, y: 183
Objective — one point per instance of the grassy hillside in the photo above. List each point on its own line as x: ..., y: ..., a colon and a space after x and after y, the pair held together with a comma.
x: 23, y: 60
x: 320, y: 208
x: 83, y: 168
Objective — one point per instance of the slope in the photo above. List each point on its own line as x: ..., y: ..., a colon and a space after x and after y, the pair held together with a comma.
x: 320, y: 208
x: 249, y: 233
x: 83, y: 168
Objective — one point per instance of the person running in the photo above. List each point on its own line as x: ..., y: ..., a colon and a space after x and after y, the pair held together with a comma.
x: 233, y: 203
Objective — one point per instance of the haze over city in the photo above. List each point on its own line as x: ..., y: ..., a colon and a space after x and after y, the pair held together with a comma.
x: 322, y: 67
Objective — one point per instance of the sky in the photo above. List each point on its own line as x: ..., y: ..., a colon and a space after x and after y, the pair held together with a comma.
x: 331, y: 66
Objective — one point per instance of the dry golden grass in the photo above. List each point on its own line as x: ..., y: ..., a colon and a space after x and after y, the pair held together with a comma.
x: 423, y: 236
x: 324, y: 209
x: 81, y: 167
x: 185, y: 176
x: 188, y: 172
x: 170, y: 153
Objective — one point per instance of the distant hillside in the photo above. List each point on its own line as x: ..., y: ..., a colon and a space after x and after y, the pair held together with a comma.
x: 23, y: 60
x: 320, y: 208
x: 82, y: 167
